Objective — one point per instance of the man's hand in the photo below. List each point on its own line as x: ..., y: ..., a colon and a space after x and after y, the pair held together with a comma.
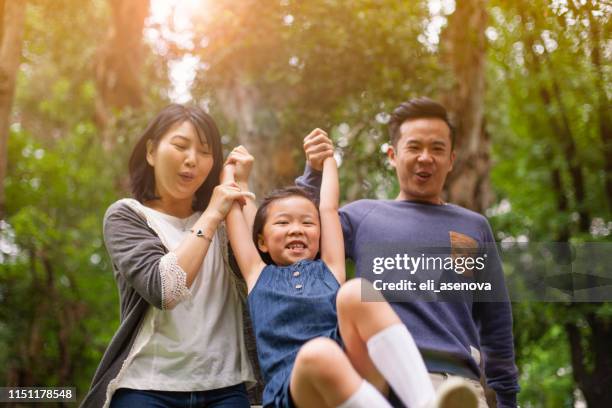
x: 317, y: 147
x: 242, y: 161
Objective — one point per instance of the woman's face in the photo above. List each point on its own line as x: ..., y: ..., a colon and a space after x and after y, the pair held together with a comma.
x: 181, y: 163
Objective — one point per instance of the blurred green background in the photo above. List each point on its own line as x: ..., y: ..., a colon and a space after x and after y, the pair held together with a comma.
x: 528, y: 82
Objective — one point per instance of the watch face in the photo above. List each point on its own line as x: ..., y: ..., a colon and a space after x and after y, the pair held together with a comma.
x: 200, y: 233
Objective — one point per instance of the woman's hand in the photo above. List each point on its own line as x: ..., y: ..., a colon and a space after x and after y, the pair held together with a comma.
x: 222, y: 199
x: 243, y: 163
x: 191, y: 251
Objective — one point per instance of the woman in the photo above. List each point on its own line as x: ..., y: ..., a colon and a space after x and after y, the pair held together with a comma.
x: 181, y: 332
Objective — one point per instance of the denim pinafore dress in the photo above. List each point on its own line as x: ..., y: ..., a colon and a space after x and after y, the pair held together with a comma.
x: 290, y: 305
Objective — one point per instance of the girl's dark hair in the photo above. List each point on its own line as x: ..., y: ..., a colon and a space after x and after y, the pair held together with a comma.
x: 142, y: 176
x: 262, y: 213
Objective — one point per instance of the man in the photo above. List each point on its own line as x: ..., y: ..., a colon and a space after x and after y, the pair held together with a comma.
x: 453, y: 337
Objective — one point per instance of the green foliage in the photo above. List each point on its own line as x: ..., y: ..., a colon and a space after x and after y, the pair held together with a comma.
x: 321, y: 63
x: 534, y: 53
x: 56, y: 285
x: 546, y: 381
x: 543, y: 80
x: 60, y: 43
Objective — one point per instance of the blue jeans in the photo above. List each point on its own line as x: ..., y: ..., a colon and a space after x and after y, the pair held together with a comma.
x: 228, y: 397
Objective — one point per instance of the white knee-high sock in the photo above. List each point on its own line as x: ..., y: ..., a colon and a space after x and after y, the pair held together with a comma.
x: 395, y: 354
x: 366, y: 396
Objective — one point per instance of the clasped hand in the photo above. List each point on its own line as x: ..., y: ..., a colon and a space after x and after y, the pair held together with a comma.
x: 233, y: 187
x: 318, y: 147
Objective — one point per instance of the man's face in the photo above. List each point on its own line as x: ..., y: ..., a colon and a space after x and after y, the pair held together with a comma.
x: 422, y: 159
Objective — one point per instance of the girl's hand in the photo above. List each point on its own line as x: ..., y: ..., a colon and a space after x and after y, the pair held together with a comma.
x: 227, y: 173
x: 317, y: 147
x: 223, y: 197
x: 243, y: 162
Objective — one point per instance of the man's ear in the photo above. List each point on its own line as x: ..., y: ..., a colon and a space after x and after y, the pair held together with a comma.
x: 261, y: 244
x: 150, y: 149
x: 391, y: 155
x: 452, y: 161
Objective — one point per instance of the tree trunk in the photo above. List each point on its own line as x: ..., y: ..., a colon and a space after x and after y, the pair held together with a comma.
x: 591, y: 359
x: 594, y: 51
x: 464, y: 47
x: 119, y: 62
x: 589, y: 338
x: 560, y: 125
x: 258, y: 131
x: 12, y: 17
x: 603, y: 102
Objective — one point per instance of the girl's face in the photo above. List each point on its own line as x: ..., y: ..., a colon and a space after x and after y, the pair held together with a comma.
x: 181, y: 163
x: 292, y: 231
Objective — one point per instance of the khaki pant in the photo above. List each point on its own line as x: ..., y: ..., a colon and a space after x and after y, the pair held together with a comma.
x: 437, y: 380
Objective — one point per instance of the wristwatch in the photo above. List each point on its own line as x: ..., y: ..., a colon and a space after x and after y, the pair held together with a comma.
x: 200, y: 233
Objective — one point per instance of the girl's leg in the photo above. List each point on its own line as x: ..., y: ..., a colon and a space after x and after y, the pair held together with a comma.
x: 378, y: 315
x: 378, y: 342
x: 324, y: 377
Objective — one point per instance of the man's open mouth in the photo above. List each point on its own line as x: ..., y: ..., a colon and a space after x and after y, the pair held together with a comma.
x: 423, y: 175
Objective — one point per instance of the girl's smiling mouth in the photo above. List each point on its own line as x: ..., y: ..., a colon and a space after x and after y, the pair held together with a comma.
x: 296, y: 246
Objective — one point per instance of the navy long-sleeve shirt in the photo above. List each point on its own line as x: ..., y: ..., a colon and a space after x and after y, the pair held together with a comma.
x: 444, y: 331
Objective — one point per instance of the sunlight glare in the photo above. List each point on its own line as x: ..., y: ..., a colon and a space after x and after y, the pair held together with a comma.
x: 170, y: 21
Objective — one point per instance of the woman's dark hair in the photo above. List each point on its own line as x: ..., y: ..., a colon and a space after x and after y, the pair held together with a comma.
x: 418, y: 108
x: 142, y: 176
x: 262, y: 213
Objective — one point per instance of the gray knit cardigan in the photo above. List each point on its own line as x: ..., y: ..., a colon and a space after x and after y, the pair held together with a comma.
x: 136, y: 250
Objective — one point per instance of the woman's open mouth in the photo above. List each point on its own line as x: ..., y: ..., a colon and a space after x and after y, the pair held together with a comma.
x: 187, y: 177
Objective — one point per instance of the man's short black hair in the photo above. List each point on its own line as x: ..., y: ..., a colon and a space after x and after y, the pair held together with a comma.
x: 417, y: 108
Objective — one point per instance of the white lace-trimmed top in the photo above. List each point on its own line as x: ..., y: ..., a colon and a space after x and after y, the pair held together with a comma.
x: 196, y: 343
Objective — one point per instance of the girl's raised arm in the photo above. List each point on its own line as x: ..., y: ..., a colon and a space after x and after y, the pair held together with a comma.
x: 332, y: 242
x: 239, y: 234
x: 243, y: 162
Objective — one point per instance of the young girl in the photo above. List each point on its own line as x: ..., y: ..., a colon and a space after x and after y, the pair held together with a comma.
x: 180, y: 340
x: 318, y: 344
